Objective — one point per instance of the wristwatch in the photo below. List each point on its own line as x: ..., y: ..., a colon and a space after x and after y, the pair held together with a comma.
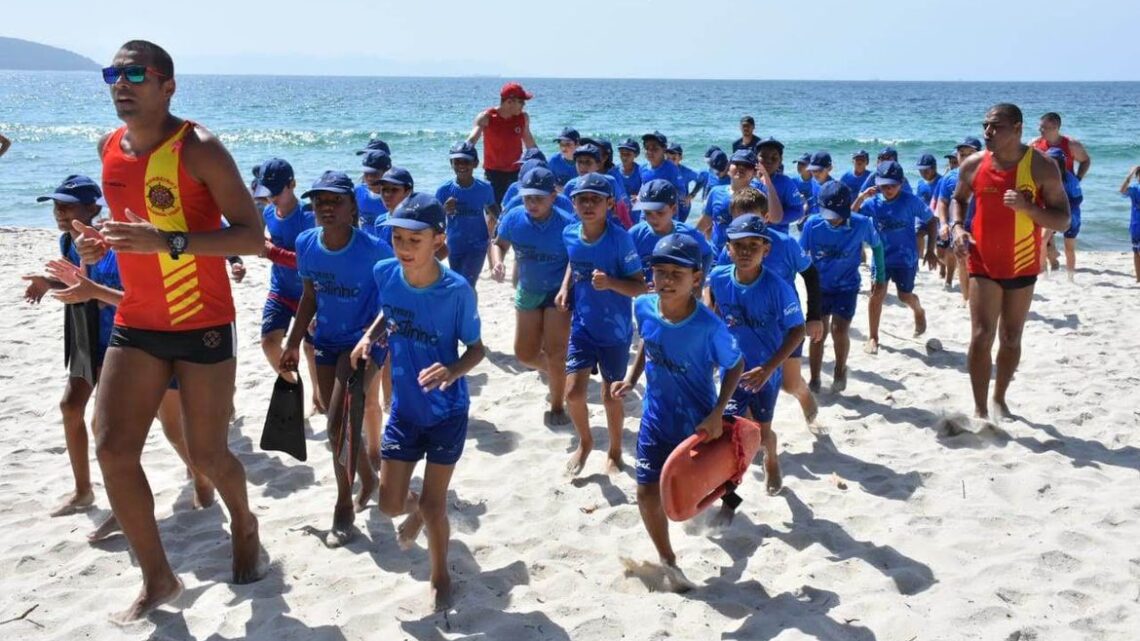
x: 176, y: 241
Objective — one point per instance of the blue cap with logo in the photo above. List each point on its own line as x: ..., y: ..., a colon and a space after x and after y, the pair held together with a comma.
x: 655, y: 195
x: 464, y: 151
x: 275, y: 175
x: 718, y: 160
x: 539, y: 181
x: 333, y: 182
x: 971, y: 142
x: 418, y: 212
x: 748, y: 226
x: 375, y: 144
x: 819, y: 160
x: 888, y: 153
x: 399, y: 176
x: 835, y: 200
x: 657, y: 137
x: 76, y: 188
x: 927, y: 161
x: 862, y: 153
x: 376, y: 162
x: 569, y: 134
x: 593, y: 183
x: 589, y: 149
x: 677, y: 249
x: 532, y: 153
x: 743, y: 157
x: 769, y: 142
x: 889, y: 172
x: 630, y: 144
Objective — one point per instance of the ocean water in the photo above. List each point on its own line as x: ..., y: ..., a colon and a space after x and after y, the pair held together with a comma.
x: 56, y: 118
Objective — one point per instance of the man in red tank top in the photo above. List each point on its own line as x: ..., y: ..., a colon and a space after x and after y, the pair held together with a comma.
x: 1017, y: 191
x: 1050, y: 129
x: 167, y: 182
x: 506, y: 134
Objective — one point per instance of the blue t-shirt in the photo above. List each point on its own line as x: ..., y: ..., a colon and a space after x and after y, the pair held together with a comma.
x: 372, y: 209
x: 759, y: 314
x: 539, y: 249
x: 562, y: 169
x: 346, y: 292
x: 602, y: 317
x: 808, y: 191
x: 689, y: 179
x: 927, y: 189
x: 790, y: 199
x: 708, y: 179
x: 784, y: 260
x: 896, y: 221
x: 1134, y: 196
x: 679, y: 359
x: 665, y: 171
x: 645, y: 239
x: 283, y: 232
x: 870, y: 182
x: 105, y: 273
x: 1075, y: 195
x: 946, y: 188
x: 837, y: 252
x: 425, y: 326
x: 560, y: 202
x: 718, y: 209
x: 467, y: 227
x: 854, y: 181
x: 632, y: 181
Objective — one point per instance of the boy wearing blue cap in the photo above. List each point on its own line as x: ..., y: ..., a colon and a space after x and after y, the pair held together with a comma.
x: 394, y: 184
x: 603, y: 275
x: 368, y: 197
x: 785, y: 204
x: 1132, y: 193
x: 335, y: 262
x: 472, y: 213
x: 426, y: 311
x: 834, y: 240
x: 969, y: 146
x: 658, y: 199
x: 1073, y: 192
x: 896, y: 214
x: 542, y: 330
x: 717, y: 212
x: 716, y: 173
x: 804, y: 184
x: 689, y: 183
x: 763, y: 312
x: 886, y: 154
x: 628, y: 151
x: 587, y: 160
x: 682, y: 342
x: 562, y: 163
x: 820, y: 170
x: 859, y: 173
x: 926, y: 191
x: 657, y: 165
x: 513, y: 199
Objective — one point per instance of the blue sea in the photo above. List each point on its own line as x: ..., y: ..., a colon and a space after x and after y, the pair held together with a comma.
x: 56, y: 118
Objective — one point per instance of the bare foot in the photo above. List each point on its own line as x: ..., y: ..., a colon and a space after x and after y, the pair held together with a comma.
x: 614, y: 464
x: 246, y: 544
x: 556, y: 418
x: 368, y: 484
x: 149, y: 598
x: 920, y: 322
x: 1001, y: 410
x: 577, y: 461
x: 815, y: 385
x: 839, y: 382
x: 773, y: 480
x: 74, y: 503
x: 203, y: 492
x: 410, y: 529
x: 343, y: 531
x: 675, y: 579
x: 318, y: 406
x: 871, y: 346
x: 441, y: 593
x: 811, y: 412
x: 104, y: 530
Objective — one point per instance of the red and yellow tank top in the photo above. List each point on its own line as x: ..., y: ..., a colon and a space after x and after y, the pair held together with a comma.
x: 1043, y: 145
x: 502, y: 141
x: 1007, y: 243
x: 161, y: 293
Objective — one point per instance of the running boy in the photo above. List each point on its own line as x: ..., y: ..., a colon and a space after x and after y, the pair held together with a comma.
x: 658, y: 199
x: 1132, y: 192
x: 472, y: 213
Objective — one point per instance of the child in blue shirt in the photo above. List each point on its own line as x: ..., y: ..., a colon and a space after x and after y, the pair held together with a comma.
x: 717, y: 213
x: 785, y: 205
x: 858, y: 174
x: 1132, y: 192
x: 658, y: 199
x: 628, y: 151
x: 368, y: 198
x: 426, y: 311
x: 716, y: 174
x: 689, y: 183
x: 541, y: 328
x: 1073, y: 192
x: 471, y: 213
x: 603, y: 275
x: 682, y: 341
x: 562, y: 163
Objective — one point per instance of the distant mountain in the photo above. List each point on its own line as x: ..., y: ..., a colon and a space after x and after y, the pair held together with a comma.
x: 32, y: 56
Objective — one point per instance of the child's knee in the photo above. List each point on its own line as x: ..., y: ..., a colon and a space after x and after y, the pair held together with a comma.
x: 433, y: 508
x: 576, y: 388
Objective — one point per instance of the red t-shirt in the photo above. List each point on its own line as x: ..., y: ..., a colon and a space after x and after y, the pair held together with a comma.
x: 503, y: 141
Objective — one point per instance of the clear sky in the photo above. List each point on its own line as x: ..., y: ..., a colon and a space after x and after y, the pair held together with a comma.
x: 758, y: 39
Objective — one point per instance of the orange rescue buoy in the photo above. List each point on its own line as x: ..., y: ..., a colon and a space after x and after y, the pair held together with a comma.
x: 699, y: 472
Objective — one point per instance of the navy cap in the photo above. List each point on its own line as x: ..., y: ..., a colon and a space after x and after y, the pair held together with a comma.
x: 334, y: 182
x: 1056, y: 152
x: 533, y: 163
x: 398, y: 176
x: 710, y: 150
x: 862, y: 153
x: 569, y: 134
x: 820, y: 160
x: 970, y: 141
x: 533, y: 152
x: 418, y: 212
x: 927, y: 161
x: 464, y: 150
x: 606, y: 147
x: 539, y: 181
x: 677, y: 249
x: 769, y: 142
x: 743, y: 157
x: 657, y: 137
x: 656, y: 194
x: 630, y: 144
x: 718, y: 160
x: 374, y: 144
x: 75, y: 188
x: 376, y: 162
x: 593, y: 183
x: 888, y: 152
x: 804, y: 160
x: 586, y: 140
x: 889, y: 172
x: 275, y: 175
x: 835, y: 200
x: 589, y: 149
x: 748, y: 226
x: 675, y: 148
x: 953, y: 156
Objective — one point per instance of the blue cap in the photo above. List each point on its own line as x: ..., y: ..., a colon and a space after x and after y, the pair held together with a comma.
x: 606, y: 147
x: 820, y: 160
x: 743, y: 157
x: 589, y: 149
x: 398, y: 176
x: 569, y: 134
x: 889, y: 172
x: 951, y: 156
x: 532, y: 153
x: 769, y: 142
x: 539, y: 181
x: 804, y: 160
x: 677, y: 249
x: 927, y: 161
x: 376, y: 162
x: 334, y: 182
x: 710, y: 150
x: 888, y: 152
x: 533, y: 163
x: 718, y: 160
x: 656, y: 194
x: 657, y: 137
x: 418, y: 212
x: 75, y: 188
x: 835, y: 200
x: 275, y: 175
x: 464, y: 150
x: 970, y: 141
x: 674, y: 148
x: 374, y: 144
x: 630, y: 144
x: 862, y: 153
x: 1056, y: 152
x: 593, y: 183
x: 748, y: 226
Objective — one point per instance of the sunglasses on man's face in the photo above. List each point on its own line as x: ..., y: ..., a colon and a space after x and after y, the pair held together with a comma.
x: 135, y: 74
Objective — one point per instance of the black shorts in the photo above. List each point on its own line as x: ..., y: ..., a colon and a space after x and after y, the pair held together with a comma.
x: 500, y: 181
x: 1010, y: 283
x: 205, y: 346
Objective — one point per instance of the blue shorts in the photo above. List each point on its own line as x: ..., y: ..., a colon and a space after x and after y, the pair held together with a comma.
x: 468, y: 263
x: 798, y: 352
x: 1074, y: 226
x: 652, y: 452
x: 903, y: 277
x: 841, y: 304
x: 276, y: 315
x: 581, y: 353
x: 441, y: 443
x: 1135, y: 231
x: 328, y: 355
x: 761, y: 403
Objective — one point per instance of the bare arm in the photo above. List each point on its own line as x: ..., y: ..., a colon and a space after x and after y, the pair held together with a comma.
x: 632, y: 285
x: 1055, y: 214
x: 306, y: 309
x: 5, y: 144
x: 480, y: 123
x: 528, y: 138
x: 208, y: 160
x: 1128, y: 180
x: 775, y: 207
x: 1081, y: 157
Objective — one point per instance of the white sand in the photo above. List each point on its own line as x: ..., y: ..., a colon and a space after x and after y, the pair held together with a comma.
x: 1029, y: 535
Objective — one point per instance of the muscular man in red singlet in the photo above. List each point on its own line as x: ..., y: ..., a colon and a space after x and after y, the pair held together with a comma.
x: 167, y: 182
x: 1017, y: 191
x: 506, y: 134
x: 1075, y: 152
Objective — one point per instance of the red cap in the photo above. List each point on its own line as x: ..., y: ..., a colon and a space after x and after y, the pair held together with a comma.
x: 514, y: 90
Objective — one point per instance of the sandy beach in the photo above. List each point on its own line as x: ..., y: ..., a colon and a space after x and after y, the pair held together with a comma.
x: 887, y: 529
